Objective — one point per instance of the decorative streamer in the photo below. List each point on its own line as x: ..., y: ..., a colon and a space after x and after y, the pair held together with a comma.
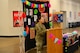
x: 53, y: 38
x: 36, y: 5
x: 42, y: 5
x: 29, y: 4
x: 56, y: 40
x: 50, y: 35
x: 39, y: 5
x: 49, y: 5
x: 32, y: 5
x: 45, y: 4
x: 59, y: 41
x: 26, y: 2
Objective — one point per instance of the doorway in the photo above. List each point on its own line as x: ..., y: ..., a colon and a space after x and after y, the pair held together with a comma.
x: 65, y: 23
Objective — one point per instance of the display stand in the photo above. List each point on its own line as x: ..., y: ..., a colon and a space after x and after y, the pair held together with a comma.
x: 57, y: 25
x: 51, y: 46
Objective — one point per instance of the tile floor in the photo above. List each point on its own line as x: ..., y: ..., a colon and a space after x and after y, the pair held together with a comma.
x: 11, y: 45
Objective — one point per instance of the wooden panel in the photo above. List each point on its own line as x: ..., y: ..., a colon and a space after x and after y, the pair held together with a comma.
x: 51, y: 46
x: 57, y: 25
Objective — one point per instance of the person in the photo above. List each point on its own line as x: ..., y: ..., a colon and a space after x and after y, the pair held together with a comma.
x: 40, y: 34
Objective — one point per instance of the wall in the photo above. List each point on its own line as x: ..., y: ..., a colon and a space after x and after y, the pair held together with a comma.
x: 14, y: 5
x: 4, y: 20
x: 6, y: 17
x: 55, y: 5
x: 70, y: 6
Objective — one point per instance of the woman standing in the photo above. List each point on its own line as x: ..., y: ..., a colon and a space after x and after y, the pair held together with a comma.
x: 40, y: 34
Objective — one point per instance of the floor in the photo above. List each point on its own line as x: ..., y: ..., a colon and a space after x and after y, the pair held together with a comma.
x: 9, y: 45
x: 12, y: 45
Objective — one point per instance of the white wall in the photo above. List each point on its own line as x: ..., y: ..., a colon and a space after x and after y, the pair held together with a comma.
x: 4, y: 20
x: 69, y: 5
x: 55, y: 5
x: 14, y: 5
x: 6, y: 17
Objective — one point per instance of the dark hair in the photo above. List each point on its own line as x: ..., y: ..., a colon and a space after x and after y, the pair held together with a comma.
x: 38, y: 18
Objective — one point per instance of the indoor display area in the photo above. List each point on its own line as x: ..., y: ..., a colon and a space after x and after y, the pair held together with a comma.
x: 40, y: 26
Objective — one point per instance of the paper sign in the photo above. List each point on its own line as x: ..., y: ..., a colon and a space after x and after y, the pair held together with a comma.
x: 32, y: 33
x: 29, y: 21
x: 35, y: 18
x: 56, y: 40
x: 30, y: 12
x: 26, y: 11
x: 59, y: 41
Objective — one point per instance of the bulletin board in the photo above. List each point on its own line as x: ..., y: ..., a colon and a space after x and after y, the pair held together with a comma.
x: 32, y: 15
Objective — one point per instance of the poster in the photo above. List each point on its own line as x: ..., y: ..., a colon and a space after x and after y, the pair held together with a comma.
x: 30, y: 12
x: 27, y: 11
x: 29, y: 21
x: 35, y: 18
x: 45, y: 15
x: 17, y: 18
x: 32, y: 33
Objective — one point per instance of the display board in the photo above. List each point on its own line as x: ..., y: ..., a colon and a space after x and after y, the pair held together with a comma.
x: 32, y: 15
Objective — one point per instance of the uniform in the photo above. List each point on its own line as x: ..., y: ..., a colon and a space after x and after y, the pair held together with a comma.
x: 40, y: 34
